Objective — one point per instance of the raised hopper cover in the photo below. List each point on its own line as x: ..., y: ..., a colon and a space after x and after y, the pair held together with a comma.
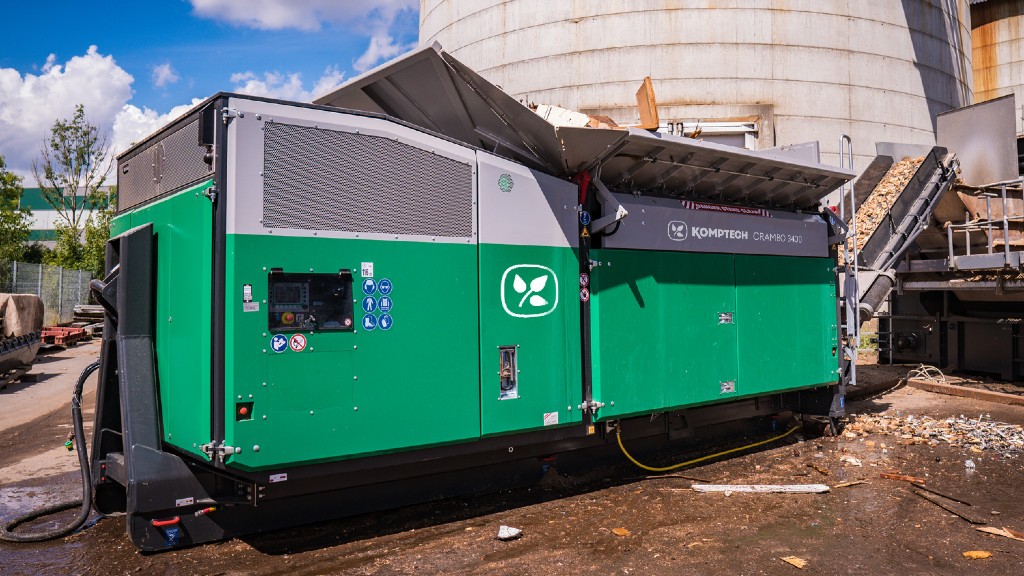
x: 431, y: 89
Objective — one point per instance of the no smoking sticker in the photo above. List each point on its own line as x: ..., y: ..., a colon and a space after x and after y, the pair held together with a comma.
x: 297, y: 343
x: 584, y: 294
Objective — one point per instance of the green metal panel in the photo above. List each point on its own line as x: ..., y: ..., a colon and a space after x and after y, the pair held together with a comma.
x: 362, y: 392
x: 786, y: 316
x: 183, y: 227
x: 540, y: 314
x: 657, y: 339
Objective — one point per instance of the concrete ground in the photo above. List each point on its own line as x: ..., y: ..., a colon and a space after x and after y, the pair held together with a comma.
x: 612, y: 521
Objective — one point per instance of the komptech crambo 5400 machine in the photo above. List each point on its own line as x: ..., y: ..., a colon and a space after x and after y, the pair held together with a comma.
x: 418, y: 275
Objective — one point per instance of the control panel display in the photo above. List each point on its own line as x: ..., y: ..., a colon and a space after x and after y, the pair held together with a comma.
x: 310, y: 301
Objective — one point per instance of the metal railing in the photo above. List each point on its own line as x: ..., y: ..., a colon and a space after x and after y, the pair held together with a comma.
x: 61, y: 289
x: 1002, y: 191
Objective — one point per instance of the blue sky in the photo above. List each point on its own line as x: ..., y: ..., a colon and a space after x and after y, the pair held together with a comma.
x: 135, y: 65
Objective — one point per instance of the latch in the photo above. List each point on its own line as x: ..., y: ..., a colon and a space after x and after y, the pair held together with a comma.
x: 229, y: 114
x: 219, y: 452
x: 508, y: 372
x: 593, y: 406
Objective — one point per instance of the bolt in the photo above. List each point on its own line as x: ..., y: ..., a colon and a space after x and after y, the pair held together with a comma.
x: 256, y: 448
x: 355, y: 347
x: 239, y: 396
x: 170, y: 318
x: 264, y: 416
x: 264, y: 334
x: 310, y: 412
x: 613, y: 403
x: 355, y: 408
x: 264, y: 350
x: 250, y: 396
x: 264, y: 384
x: 355, y: 377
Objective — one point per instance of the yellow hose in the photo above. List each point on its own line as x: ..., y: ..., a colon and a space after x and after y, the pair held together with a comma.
x: 618, y: 436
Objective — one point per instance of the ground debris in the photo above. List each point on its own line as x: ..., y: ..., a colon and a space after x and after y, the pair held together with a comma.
x: 620, y: 531
x: 947, y: 507
x: 763, y: 488
x: 977, y: 554
x: 853, y: 483
x: 1004, y: 532
x: 977, y: 434
x: 798, y: 562
x: 509, y: 533
x: 897, y: 476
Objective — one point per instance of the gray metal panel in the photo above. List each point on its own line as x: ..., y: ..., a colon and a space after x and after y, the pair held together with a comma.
x: 167, y: 164
x: 664, y: 164
x: 686, y: 226
x: 302, y: 171
x: 429, y: 88
x: 983, y: 138
x: 520, y: 206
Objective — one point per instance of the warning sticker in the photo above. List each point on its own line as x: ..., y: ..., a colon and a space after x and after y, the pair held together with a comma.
x: 247, y: 293
x: 584, y: 294
x: 250, y: 307
x: 297, y: 342
x: 367, y: 269
x: 550, y: 418
x: 278, y: 478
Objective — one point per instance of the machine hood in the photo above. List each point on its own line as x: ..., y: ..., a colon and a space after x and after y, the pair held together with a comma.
x: 431, y: 89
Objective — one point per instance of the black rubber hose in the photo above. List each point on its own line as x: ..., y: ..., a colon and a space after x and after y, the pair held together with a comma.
x: 6, y: 529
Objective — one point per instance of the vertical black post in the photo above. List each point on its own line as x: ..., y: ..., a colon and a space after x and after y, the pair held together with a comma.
x: 217, y: 328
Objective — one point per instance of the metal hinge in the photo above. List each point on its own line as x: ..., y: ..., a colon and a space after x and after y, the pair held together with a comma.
x: 219, y: 451
x: 229, y: 114
x: 211, y: 193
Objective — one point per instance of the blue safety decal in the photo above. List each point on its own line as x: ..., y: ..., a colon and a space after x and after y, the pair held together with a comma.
x: 584, y: 217
x: 385, y: 303
x: 384, y: 286
x: 279, y: 343
x: 369, y: 286
x: 369, y: 322
x: 386, y: 322
x: 369, y: 304
x: 171, y: 536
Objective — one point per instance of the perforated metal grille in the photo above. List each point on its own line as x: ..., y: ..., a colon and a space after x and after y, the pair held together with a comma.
x: 317, y: 179
x: 165, y: 166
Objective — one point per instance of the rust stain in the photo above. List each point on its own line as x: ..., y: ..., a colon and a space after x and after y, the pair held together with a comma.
x: 994, y: 23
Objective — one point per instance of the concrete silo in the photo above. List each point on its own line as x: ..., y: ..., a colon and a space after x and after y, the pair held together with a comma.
x: 997, y: 31
x: 797, y: 70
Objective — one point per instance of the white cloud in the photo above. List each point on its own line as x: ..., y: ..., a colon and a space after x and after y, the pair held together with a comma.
x: 132, y: 124
x: 380, y: 20
x: 30, y: 103
x: 382, y: 47
x: 286, y: 86
x: 164, y: 74
x: 298, y: 14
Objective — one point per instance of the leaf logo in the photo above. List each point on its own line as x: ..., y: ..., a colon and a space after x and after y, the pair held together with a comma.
x: 529, y: 300
x: 678, y: 230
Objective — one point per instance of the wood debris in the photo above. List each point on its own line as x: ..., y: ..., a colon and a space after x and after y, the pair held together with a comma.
x: 620, y: 531
x: 977, y: 554
x: 898, y: 476
x: 854, y: 483
x: 763, y: 488
x: 798, y: 562
x: 976, y: 434
x: 1004, y: 532
x: 947, y: 507
x: 875, y: 208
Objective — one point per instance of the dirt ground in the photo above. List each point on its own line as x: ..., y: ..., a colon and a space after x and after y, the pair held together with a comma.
x: 573, y: 524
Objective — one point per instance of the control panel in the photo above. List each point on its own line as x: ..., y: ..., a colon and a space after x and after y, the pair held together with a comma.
x: 309, y: 301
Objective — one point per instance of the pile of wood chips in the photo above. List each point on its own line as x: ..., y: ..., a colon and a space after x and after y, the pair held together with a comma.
x: 874, y: 209
x: 976, y: 434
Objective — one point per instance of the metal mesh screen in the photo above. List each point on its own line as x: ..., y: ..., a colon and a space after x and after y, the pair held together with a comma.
x: 166, y: 165
x: 317, y: 179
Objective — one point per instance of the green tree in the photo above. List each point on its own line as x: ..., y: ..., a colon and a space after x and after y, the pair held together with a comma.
x: 74, y: 157
x: 14, y: 221
x: 97, y: 232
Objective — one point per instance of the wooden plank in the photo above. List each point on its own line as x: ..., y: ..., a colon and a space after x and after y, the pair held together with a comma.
x: 964, y: 392
x: 935, y: 500
x: 763, y: 488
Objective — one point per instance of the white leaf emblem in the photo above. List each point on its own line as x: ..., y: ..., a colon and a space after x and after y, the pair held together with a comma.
x: 538, y: 284
x: 538, y: 300
x: 519, y: 285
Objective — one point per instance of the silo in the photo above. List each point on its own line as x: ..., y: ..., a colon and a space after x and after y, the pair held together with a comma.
x: 997, y: 31
x: 798, y: 70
